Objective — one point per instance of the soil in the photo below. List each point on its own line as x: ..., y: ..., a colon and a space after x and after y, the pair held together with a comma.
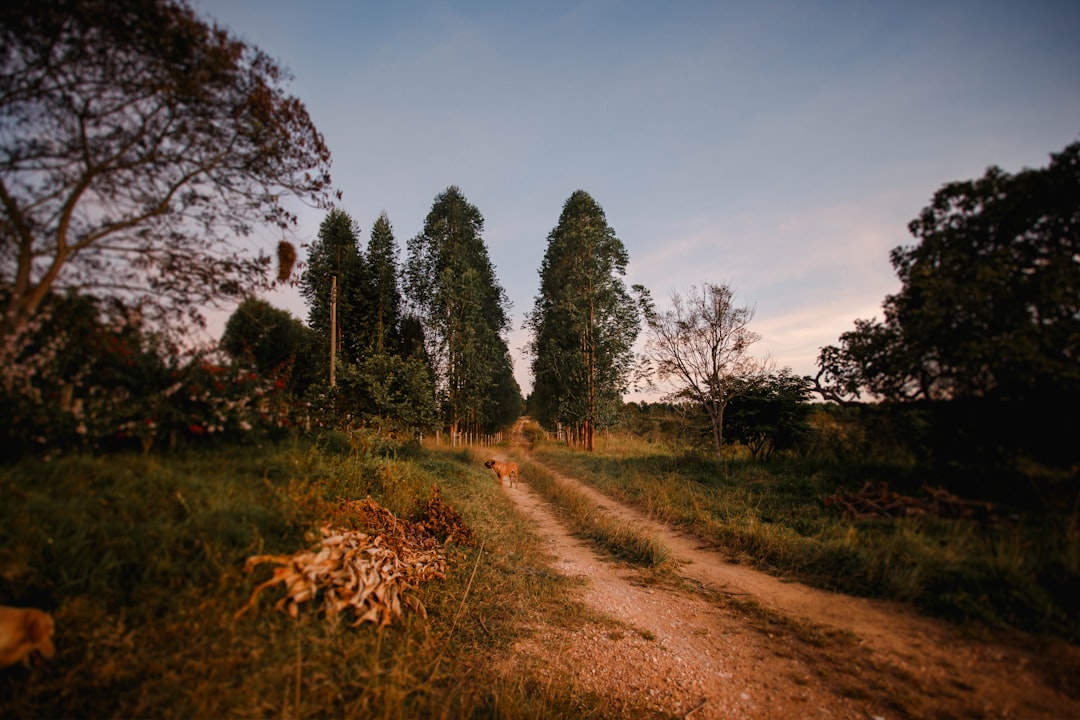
x: 721, y: 640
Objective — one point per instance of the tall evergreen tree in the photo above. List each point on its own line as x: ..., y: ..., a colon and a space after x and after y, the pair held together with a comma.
x: 336, y: 254
x: 383, y: 297
x: 464, y: 312
x: 584, y: 322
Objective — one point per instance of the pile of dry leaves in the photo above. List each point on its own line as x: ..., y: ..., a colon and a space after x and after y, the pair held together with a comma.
x: 368, y: 561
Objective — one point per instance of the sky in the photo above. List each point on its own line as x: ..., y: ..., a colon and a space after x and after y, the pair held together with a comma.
x: 780, y: 148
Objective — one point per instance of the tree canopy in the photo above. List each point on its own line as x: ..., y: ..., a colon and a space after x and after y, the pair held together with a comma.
x: 382, y: 294
x: 990, y: 297
x: 772, y: 416
x: 138, y: 143
x: 273, y: 342
x: 464, y: 312
x: 584, y: 321
x: 335, y: 259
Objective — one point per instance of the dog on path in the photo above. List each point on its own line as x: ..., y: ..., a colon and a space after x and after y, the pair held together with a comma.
x: 504, y: 470
x: 25, y: 636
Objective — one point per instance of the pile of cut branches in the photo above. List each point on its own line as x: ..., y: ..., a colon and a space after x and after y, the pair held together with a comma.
x: 371, y: 573
x: 877, y: 501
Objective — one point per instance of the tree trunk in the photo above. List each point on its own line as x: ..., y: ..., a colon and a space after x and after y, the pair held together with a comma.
x: 333, y: 329
x: 716, y: 415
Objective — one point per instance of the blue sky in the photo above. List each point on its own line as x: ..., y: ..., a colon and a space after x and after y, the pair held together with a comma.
x: 778, y: 147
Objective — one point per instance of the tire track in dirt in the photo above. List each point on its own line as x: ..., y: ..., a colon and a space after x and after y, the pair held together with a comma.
x: 805, y: 653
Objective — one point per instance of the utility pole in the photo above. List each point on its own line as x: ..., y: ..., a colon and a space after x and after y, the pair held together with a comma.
x: 333, y: 327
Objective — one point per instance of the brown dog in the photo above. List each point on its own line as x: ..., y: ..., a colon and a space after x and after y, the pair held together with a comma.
x: 504, y: 470
x: 25, y: 636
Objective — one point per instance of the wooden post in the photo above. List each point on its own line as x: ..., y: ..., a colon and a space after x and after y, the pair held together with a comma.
x: 333, y: 327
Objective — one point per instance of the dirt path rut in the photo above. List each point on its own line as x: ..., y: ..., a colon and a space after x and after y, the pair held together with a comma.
x: 752, y: 646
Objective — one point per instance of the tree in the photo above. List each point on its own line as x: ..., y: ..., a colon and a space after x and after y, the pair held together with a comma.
x: 382, y: 295
x: 701, y: 345
x: 137, y: 143
x: 990, y: 297
x: 273, y: 342
x: 584, y: 322
x: 396, y: 393
x: 335, y: 261
x: 452, y: 286
x: 774, y: 416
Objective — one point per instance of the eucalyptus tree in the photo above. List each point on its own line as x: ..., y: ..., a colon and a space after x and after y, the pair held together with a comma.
x: 382, y: 294
x: 396, y: 388
x: 584, y: 321
x: 464, y: 312
x: 336, y: 267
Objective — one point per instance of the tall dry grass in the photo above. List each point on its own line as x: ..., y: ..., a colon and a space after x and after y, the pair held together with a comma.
x: 1021, y: 570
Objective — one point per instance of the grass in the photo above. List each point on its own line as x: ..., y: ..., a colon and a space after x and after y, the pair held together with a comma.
x: 1023, y: 572
x: 140, y: 560
x: 619, y: 538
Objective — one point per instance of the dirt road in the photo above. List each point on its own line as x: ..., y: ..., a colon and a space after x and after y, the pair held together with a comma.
x: 731, y: 642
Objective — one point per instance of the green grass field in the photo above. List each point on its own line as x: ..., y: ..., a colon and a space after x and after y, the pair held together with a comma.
x: 1020, y: 571
x: 141, y: 561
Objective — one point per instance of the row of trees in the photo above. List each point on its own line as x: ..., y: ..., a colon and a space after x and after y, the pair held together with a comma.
x: 139, y: 145
x: 978, y: 356
x: 584, y: 323
x: 432, y: 353
x: 409, y: 358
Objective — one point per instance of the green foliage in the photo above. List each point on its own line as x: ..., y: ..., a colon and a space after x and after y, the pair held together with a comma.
x: 584, y: 322
x: 988, y: 303
x: 991, y: 289
x: 463, y: 311
x: 1021, y: 572
x: 986, y: 324
x: 93, y: 377
x: 336, y: 257
x: 382, y: 296
x: 398, y: 392
x: 674, y: 425
x: 140, y: 559
x: 272, y: 342
x: 772, y: 416
x: 382, y: 376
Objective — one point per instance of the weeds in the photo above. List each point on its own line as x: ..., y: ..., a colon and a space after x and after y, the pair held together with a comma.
x: 617, y: 537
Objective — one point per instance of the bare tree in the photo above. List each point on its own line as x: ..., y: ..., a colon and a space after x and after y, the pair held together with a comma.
x: 701, y: 346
